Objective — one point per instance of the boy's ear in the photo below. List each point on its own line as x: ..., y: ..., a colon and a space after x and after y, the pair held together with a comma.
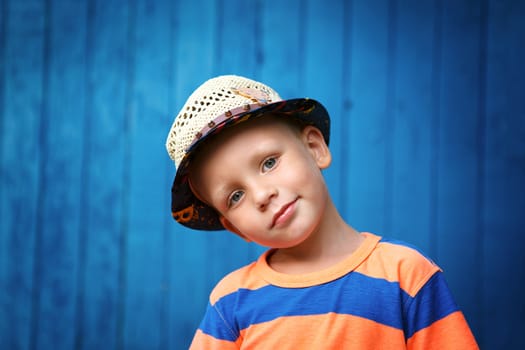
x: 230, y: 227
x: 314, y: 141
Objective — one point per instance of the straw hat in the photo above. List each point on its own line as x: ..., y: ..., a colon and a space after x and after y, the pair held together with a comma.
x: 219, y: 102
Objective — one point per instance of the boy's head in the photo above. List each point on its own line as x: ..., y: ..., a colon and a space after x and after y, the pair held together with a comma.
x: 210, y: 112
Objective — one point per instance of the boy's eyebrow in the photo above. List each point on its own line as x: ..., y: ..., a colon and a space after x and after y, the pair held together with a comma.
x: 263, y: 148
x: 221, y: 192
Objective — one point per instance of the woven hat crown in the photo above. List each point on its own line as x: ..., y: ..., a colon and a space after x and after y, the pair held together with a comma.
x: 214, y: 97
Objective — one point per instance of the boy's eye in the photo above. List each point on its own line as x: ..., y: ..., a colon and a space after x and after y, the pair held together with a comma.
x: 269, y: 163
x: 235, y: 197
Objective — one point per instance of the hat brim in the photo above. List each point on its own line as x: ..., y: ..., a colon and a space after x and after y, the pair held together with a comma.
x: 189, y: 210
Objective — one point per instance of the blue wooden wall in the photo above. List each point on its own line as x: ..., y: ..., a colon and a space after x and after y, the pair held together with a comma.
x: 428, y: 105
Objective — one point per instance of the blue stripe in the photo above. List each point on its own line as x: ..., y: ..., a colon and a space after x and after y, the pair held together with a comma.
x: 433, y: 302
x: 354, y: 294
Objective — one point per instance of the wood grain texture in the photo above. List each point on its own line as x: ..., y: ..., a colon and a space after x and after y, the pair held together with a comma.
x: 106, y: 183
x: 413, y: 121
x: 502, y: 275
x: 21, y: 165
x: 3, y: 208
x: 368, y: 118
x: 57, y: 257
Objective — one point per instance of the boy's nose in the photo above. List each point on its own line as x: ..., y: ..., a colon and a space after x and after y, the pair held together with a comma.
x: 263, y: 196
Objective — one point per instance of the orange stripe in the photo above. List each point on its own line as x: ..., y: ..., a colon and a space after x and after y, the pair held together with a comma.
x: 244, y: 278
x: 451, y: 332
x: 327, y: 331
x: 203, y: 341
x: 389, y: 259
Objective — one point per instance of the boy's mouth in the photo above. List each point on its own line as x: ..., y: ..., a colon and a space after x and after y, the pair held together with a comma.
x: 283, y: 214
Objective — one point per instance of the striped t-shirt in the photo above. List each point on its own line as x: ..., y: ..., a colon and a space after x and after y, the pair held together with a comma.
x: 386, y: 295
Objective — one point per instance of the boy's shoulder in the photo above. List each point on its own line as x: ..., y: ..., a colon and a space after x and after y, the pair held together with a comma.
x: 399, y: 262
x: 405, y: 253
x: 242, y: 278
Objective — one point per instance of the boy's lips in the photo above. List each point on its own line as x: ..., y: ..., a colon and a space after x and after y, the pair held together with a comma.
x: 284, y: 213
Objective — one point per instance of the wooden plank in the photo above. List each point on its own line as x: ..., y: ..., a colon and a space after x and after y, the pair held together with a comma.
x: 366, y: 124
x: 61, y: 185
x: 189, y: 286
x: 503, y: 178
x: 106, y: 176
x: 238, y: 32
x: 23, y: 41
x: 146, y: 285
x: 3, y: 81
x: 280, y: 47
x: 458, y: 155
x: 321, y: 54
x: 4, y: 322
x: 412, y: 108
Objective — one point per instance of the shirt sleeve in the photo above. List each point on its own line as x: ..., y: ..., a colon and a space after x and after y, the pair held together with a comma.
x: 214, y: 333
x: 434, y: 321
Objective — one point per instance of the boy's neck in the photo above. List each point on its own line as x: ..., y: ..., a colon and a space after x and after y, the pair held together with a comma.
x: 334, y: 241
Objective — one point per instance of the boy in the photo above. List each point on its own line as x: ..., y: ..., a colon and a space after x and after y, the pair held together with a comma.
x: 251, y: 163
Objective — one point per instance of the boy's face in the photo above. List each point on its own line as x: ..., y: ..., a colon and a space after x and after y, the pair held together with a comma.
x: 264, y: 178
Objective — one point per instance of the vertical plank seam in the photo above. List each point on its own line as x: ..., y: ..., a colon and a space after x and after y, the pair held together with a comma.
x: 481, y: 175
x: 126, y: 175
x: 3, y: 233
x: 41, y: 177
x: 3, y: 60
x: 165, y: 342
x: 390, y: 114
x: 258, y: 38
x: 217, y: 50
x: 346, y: 109
x: 84, y: 177
x: 302, y: 40
x: 435, y: 129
